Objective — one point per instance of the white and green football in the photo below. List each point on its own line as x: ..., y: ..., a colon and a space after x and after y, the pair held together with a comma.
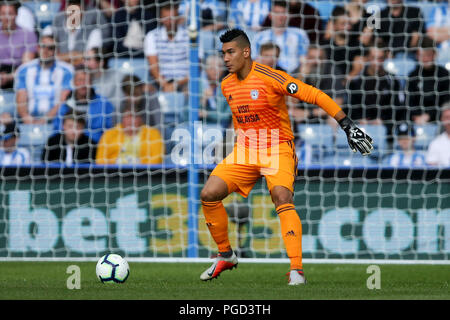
x: 112, y: 268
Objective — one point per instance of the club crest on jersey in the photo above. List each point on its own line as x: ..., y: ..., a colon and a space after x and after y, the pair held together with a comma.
x: 254, y: 94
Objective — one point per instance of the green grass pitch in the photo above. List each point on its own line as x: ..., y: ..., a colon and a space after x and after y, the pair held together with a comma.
x: 169, y: 281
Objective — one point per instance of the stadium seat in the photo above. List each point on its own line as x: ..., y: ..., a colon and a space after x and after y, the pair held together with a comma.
x: 443, y: 58
x: 426, y: 8
x: 173, y: 105
x: 34, y: 137
x: 44, y: 11
x: 7, y: 102
x: 318, y: 138
x: 352, y: 159
x: 324, y: 7
x: 174, y: 112
x: 401, y: 66
x: 135, y: 66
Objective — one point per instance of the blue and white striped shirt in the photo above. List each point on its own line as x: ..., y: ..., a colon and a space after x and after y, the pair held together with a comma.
x: 17, y: 157
x: 217, y: 7
x: 43, y: 86
x: 249, y: 14
x: 400, y: 159
x: 440, y: 17
x: 293, y: 43
x: 173, y: 55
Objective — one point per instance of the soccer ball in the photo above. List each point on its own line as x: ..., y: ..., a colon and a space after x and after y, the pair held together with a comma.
x: 112, y: 268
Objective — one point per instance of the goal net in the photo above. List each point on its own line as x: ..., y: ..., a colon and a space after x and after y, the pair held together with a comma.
x: 112, y: 118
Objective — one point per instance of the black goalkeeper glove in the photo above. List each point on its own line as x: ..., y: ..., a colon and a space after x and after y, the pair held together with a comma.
x: 357, y: 139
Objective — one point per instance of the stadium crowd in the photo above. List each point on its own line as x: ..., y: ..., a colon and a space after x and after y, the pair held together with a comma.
x: 107, y: 81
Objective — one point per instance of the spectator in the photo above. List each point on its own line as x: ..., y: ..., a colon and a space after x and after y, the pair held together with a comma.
x: 293, y: 42
x: 213, y: 14
x: 71, y: 146
x: 107, y: 7
x: 249, y: 14
x: 167, y: 51
x: 213, y: 18
x: 106, y: 82
x: 438, y: 153
x: 214, y: 107
x: 438, y: 29
x: 133, y: 88
x: 269, y: 53
x: 42, y: 84
x: 374, y: 96
x: 98, y: 111
x: 130, y: 24
x: 18, y: 45
x: 344, y: 51
x: 317, y: 71
x: 406, y: 156
x: 359, y: 21
x: 77, y: 33
x: 131, y: 141
x: 10, y: 154
x: 304, y: 16
x: 400, y: 26
x: 427, y: 87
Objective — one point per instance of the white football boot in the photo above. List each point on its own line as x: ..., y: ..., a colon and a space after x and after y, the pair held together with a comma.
x: 296, y: 277
x: 221, y: 264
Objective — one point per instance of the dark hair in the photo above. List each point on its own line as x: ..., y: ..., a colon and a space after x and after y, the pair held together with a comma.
x: 167, y: 5
x: 280, y: 3
x: 235, y: 35
x: 378, y: 43
x: 14, y: 3
x: 98, y: 53
x: 75, y: 3
x: 76, y: 116
x: 129, y: 82
x: 338, y: 11
x: 427, y: 43
x: 80, y: 67
x: 269, y: 46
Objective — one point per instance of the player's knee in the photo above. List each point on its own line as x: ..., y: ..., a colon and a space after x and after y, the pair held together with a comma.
x: 281, y: 196
x: 209, y: 195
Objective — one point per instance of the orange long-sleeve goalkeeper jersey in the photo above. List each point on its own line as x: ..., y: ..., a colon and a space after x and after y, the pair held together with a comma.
x: 260, y: 114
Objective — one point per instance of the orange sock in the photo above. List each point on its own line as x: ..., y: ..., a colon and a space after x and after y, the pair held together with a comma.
x: 291, y: 228
x: 217, y: 221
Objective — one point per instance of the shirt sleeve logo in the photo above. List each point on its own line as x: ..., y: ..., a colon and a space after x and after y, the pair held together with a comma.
x: 292, y: 88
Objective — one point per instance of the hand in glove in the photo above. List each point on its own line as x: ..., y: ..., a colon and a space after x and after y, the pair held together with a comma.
x: 357, y: 139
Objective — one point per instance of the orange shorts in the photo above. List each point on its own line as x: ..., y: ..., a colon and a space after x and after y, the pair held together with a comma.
x: 242, y: 168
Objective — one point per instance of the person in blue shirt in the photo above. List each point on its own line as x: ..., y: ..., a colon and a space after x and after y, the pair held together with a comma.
x: 249, y: 15
x: 42, y: 84
x: 293, y: 42
x: 10, y: 154
x: 99, y: 112
x: 405, y: 155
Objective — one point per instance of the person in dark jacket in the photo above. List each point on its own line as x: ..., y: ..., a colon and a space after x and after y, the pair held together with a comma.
x: 427, y: 87
x: 71, y: 146
x: 375, y: 96
x: 130, y: 24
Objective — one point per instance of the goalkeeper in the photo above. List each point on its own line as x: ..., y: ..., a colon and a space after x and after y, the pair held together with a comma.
x: 264, y: 147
